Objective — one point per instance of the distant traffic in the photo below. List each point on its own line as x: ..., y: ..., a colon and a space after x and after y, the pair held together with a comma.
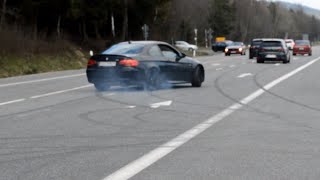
x: 265, y: 49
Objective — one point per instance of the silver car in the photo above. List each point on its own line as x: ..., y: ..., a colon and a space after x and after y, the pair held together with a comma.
x: 185, y: 46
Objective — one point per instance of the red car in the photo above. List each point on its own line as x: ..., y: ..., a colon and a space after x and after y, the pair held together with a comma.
x: 302, y: 47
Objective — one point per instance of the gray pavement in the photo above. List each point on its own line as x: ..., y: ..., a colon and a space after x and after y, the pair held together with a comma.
x: 56, y: 126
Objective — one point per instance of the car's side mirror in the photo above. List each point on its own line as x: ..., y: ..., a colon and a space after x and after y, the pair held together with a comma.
x: 183, y: 55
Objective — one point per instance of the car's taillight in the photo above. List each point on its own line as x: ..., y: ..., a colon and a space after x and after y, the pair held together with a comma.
x: 129, y: 62
x: 91, y: 62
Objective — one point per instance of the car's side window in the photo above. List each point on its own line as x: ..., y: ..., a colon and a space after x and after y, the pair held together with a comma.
x: 168, y: 52
x: 155, y: 51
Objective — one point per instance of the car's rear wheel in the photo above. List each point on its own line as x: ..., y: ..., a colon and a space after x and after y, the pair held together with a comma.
x: 154, y: 79
x: 250, y: 56
x: 310, y: 54
x: 294, y: 54
x: 197, y: 77
x: 101, y: 86
x: 260, y: 61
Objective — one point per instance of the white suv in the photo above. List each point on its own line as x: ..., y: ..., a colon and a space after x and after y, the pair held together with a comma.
x: 290, y: 43
x: 185, y: 46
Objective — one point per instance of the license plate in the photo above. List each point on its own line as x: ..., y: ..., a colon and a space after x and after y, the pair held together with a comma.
x: 301, y: 49
x: 233, y: 52
x: 271, y: 56
x: 107, y: 64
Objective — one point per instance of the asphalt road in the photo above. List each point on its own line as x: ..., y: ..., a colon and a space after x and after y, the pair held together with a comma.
x: 248, y: 121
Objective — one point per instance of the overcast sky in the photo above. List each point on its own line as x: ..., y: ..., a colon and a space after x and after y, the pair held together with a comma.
x: 311, y: 3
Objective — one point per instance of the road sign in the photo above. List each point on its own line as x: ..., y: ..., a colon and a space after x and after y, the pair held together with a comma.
x: 145, y: 29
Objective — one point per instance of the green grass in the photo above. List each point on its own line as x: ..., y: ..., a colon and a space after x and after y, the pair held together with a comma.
x: 14, y: 65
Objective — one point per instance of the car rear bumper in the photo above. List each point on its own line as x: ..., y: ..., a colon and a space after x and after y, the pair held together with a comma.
x: 277, y: 57
x: 234, y: 51
x: 301, y: 52
x: 112, y: 76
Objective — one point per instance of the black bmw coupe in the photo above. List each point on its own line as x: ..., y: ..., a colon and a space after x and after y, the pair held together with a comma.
x: 144, y: 63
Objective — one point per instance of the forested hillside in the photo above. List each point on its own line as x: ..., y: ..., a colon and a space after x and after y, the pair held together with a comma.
x: 82, y: 20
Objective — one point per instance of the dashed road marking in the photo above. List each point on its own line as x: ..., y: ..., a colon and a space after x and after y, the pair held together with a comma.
x: 41, y: 80
x: 11, y: 102
x: 245, y: 75
x: 60, y: 92
x: 216, y: 64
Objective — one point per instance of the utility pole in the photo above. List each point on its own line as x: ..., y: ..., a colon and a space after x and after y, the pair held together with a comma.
x: 112, y: 26
x: 196, y: 36
x: 210, y: 31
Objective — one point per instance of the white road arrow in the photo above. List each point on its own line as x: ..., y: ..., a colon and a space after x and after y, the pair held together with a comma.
x: 245, y: 75
x: 157, y: 105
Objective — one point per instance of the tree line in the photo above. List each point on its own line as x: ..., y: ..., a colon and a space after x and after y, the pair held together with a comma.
x: 168, y: 20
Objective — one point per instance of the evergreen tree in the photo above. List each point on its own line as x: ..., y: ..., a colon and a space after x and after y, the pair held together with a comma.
x: 221, y: 17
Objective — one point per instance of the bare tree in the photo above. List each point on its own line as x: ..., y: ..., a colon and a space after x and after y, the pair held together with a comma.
x: 3, y: 14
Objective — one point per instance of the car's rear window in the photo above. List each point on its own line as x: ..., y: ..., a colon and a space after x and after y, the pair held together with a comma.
x: 302, y: 42
x: 236, y: 44
x: 272, y: 44
x: 125, y: 49
x: 256, y: 43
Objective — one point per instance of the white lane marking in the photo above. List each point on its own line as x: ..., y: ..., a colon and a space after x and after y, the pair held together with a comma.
x: 153, y: 156
x: 205, y: 63
x: 157, y: 105
x: 216, y: 64
x: 277, y: 64
x: 232, y: 66
x: 11, y: 102
x: 295, y: 58
x: 131, y: 107
x: 244, y: 75
x: 41, y: 80
x: 59, y: 92
x: 219, y: 69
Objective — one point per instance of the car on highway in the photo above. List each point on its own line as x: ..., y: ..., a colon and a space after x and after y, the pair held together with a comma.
x: 221, y: 46
x: 183, y: 45
x: 290, y: 43
x: 254, y: 47
x: 236, y: 48
x: 147, y: 64
x: 302, y: 47
x: 273, y: 50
